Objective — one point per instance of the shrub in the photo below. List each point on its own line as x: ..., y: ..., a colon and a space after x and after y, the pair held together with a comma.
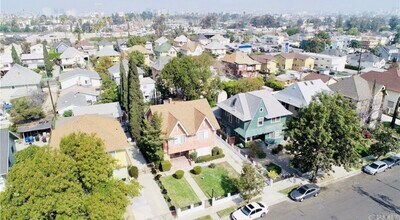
x: 274, y: 167
x: 133, y: 171
x: 216, y: 151
x: 272, y: 174
x: 197, y: 170
x: 212, y: 165
x: 193, y: 155
x: 261, y: 155
x: 67, y: 113
x: 256, y: 150
x: 207, y: 158
x: 179, y: 174
x: 166, y: 165
x: 277, y: 149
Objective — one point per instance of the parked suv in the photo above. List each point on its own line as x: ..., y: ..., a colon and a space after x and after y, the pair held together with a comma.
x: 375, y: 167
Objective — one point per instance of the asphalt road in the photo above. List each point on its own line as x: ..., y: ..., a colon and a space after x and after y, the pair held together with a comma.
x: 359, y: 197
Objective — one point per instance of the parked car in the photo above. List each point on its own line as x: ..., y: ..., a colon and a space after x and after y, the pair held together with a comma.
x: 250, y: 211
x: 367, y: 134
x: 304, y: 192
x: 392, y: 161
x: 375, y: 167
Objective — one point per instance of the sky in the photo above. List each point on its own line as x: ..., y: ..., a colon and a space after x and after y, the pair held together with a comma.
x: 202, y: 6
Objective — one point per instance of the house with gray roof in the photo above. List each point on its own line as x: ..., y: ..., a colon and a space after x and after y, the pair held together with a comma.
x: 80, y: 77
x: 105, y: 43
x: 362, y: 94
x: 107, y: 52
x: 367, y: 60
x: 7, y: 152
x: 32, y: 60
x: 300, y: 94
x: 72, y: 58
x: 19, y: 82
x: 253, y: 115
x: 109, y: 109
x: 70, y: 101
x: 158, y: 65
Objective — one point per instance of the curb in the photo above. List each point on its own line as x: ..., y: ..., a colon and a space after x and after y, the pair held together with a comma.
x: 354, y: 173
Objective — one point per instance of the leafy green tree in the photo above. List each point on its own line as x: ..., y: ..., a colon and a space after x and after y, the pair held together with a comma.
x: 387, y: 141
x: 123, y: 86
x: 292, y: 31
x: 394, y: 21
x: 160, y: 25
x: 234, y: 87
x: 15, y: 56
x: 353, y: 31
x: 48, y: 63
x: 210, y: 21
x: 136, y: 40
x: 68, y: 113
x: 138, y: 57
x: 250, y: 183
x: 326, y: 132
x: 355, y: 44
x: 108, y: 86
x: 151, y: 142
x: 26, y: 154
x: 135, y: 100
x: 25, y: 110
x: 274, y: 84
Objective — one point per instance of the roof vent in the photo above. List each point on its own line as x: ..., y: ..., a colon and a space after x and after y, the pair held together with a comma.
x: 312, y: 83
x: 233, y: 102
x: 305, y: 83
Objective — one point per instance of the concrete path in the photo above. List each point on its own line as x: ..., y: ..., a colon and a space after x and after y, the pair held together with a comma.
x: 195, y: 187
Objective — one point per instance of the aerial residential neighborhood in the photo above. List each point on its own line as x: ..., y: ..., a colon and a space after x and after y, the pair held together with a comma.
x: 199, y: 110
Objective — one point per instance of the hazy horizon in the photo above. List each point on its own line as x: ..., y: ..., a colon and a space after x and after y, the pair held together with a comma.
x: 204, y: 6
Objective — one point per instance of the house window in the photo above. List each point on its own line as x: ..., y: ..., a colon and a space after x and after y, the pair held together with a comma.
x: 179, y: 140
x: 275, y: 120
x: 261, y: 109
x: 202, y: 135
x: 260, y: 121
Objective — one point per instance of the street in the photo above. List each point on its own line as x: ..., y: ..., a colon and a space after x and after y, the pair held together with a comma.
x: 359, y: 197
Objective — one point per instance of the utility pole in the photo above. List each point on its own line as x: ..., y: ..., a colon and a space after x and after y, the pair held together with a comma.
x: 52, y: 101
x: 359, y: 62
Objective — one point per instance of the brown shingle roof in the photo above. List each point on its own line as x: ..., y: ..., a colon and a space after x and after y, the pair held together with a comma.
x: 264, y: 58
x: 239, y: 57
x: 106, y: 128
x: 293, y: 56
x: 390, y: 78
x: 190, y: 46
x: 189, y: 114
x: 314, y: 76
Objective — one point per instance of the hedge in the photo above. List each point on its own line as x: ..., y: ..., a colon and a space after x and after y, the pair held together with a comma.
x: 207, y: 158
x: 166, y: 165
x: 179, y: 174
x: 133, y: 171
x: 216, y: 151
x: 277, y: 149
x: 197, y: 170
x: 274, y: 167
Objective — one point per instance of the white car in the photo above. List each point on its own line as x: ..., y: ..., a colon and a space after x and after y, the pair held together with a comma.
x: 252, y: 210
x: 375, y: 167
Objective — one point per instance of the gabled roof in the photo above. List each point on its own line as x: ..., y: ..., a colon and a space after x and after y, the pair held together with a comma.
x: 239, y: 57
x: 163, y: 47
x: 161, y: 62
x: 390, y: 78
x: 190, y: 46
x: 71, y: 99
x: 161, y: 40
x: 79, y: 72
x: 365, y: 57
x: 181, y: 38
x: 114, y: 69
x: 214, y: 45
x: 107, y: 52
x: 219, y: 38
x: 189, y: 114
x: 354, y: 87
x: 105, y: 43
x: 293, y: 56
x: 264, y: 58
x: 300, y: 94
x: 20, y: 76
x: 245, y: 105
x: 31, y: 56
x: 76, y: 89
x: 104, y: 127
x: 5, y: 136
x: 111, y: 109
x: 70, y: 52
x: 314, y: 76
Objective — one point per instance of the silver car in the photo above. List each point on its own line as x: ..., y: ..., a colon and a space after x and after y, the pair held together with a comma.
x: 304, y: 192
x: 392, y: 161
x: 375, y: 167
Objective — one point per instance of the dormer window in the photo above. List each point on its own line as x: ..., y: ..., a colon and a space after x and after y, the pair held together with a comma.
x: 261, y: 109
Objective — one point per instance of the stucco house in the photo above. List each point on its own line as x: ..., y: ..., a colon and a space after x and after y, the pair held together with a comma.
x: 180, y: 41
x: 192, y: 48
x: 328, y: 80
x: 300, y: 94
x: 146, y: 53
x: 106, y: 128
x: 72, y: 58
x: 70, y: 101
x: 32, y: 60
x: 216, y: 49
x: 37, y: 48
x: 324, y: 61
x: 165, y: 49
x: 108, y: 109
x: 7, y: 154
x: 240, y: 64
x: 268, y: 63
x: 190, y: 126
x: 6, y: 62
x: 294, y: 61
x: 253, y: 115
x: 19, y: 82
x: 160, y: 41
x: 108, y: 52
x: 220, y: 39
x: 391, y: 80
x: 81, y: 77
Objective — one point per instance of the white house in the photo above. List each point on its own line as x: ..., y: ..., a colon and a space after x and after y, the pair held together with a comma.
x: 220, y: 39
x: 192, y: 48
x: 216, y: 48
x: 323, y: 61
x: 367, y: 60
x: 180, y: 41
x: 272, y: 39
x: 81, y: 77
x: 72, y: 58
x: 71, y: 101
x: 160, y: 41
x: 18, y: 82
x: 5, y: 62
x: 37, y: 48
x: 32, y: 60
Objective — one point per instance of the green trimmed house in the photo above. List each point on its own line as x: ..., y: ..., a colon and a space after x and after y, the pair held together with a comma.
x: 253, y: 115
x: 165, y: 49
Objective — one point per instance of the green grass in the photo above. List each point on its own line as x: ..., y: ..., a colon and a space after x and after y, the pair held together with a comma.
x: 180, y: 192
x: 219, y: 179
x: 206, y: 217
x: 226, y: 212
x: 396, y: 127
x: 289, y: 189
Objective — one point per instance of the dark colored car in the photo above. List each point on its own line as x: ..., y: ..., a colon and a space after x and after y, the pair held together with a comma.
x: 392, y: 161
x: 304, y: 192
x: 367, y: 134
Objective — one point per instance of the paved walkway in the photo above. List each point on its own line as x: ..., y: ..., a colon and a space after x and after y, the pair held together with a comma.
x: 195, y: 187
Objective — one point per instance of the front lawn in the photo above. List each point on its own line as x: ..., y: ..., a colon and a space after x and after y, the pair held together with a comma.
x: 219, y: 179
x: 180, y: 192
x: 289, y: 189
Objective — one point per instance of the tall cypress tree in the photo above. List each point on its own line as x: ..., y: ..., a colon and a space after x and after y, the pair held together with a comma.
x: 135, y: 100
x: 48, y: 64
x: 123, y: 89
x: 15, y: 56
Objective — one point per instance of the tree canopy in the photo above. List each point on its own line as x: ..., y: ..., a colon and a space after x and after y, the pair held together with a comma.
x: 387, y: 140
x: 151, y: 142
x: 318, y: 43
x: 25, y: 109
x: 73, y: 183
x: 15, y: 56
x: 234, y: 87
x: 138, y: 57
x: 250, y: 183
x: 136, y: 40
x: 326, y: 133
x: 108, y: 86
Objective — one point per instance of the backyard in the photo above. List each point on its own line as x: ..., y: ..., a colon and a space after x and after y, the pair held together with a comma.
x: 180, y: 192
x: 217, y: 181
